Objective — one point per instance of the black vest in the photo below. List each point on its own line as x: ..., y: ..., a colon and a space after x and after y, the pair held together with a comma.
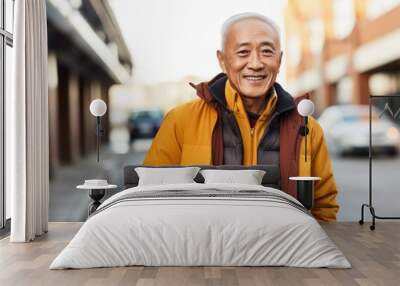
x: 268, y: 147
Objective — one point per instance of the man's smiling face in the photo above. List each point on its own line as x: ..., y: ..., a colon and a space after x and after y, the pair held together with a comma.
x: 251, y: 57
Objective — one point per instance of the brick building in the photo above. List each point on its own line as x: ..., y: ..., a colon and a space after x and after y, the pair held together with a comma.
x: 341, y: 51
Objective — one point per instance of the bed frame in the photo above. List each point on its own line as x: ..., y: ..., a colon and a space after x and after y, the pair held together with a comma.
x: 270, y: 179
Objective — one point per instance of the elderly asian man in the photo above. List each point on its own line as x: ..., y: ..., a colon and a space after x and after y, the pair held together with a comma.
x: 243, y: 116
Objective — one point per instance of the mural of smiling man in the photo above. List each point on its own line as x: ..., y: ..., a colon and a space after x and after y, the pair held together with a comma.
x: 244, y: 117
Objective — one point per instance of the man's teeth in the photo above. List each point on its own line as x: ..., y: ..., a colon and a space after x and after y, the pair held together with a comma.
x: 255, y: 77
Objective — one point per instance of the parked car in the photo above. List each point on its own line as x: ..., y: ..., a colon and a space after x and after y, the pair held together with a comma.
x: 346, y: 129
x: 144, y: 123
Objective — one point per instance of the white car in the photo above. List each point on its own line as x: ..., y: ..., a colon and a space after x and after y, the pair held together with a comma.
x: 346, y: 129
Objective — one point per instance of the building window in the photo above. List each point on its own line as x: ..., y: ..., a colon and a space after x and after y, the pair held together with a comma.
x: 344, y: 91
x: 294, y: 50
x: 6, y: 44
x: 317, y: 35
x: 343, y: 18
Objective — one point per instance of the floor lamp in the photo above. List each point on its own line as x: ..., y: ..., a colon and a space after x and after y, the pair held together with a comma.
x: 98, y: 108
x: 305, y: 185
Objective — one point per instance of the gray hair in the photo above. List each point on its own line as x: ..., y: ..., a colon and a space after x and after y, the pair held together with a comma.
x: 243, y: 16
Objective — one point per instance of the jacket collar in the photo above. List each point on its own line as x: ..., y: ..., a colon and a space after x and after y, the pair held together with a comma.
x: 214, y: 91
x: 285, y: 100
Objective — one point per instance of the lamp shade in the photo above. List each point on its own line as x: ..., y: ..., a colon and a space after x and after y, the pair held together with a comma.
x: 305, y: 107
x: 98, y: 107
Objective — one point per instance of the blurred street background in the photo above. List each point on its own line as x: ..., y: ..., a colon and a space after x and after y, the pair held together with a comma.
x: 139, y: 56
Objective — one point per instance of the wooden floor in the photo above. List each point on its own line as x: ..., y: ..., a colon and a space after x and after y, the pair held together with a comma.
x: 375, y: 257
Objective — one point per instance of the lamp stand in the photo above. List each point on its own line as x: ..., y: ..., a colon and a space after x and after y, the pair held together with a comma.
x: 305, y: 137
x: 99, y: 132
x: 304, y: 131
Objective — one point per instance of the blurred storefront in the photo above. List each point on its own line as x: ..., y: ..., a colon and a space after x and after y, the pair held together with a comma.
x: 87, y: 54
x: 341, y: 51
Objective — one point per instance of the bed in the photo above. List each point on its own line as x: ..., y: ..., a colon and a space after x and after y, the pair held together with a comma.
x: 201, y: 224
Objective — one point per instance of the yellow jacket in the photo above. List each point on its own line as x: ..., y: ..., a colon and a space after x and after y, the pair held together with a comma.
x: 185, y: 136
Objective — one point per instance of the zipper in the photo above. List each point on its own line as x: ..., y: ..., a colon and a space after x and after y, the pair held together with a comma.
x: 252, y: 144
x: 268, y: 124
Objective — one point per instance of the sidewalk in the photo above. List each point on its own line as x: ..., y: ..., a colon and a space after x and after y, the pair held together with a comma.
x: 70, y: 204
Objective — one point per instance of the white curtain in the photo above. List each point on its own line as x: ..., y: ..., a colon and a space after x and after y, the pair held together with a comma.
x: 27, y: 148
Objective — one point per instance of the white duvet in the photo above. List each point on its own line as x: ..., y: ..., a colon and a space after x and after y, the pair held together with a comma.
x: 200, y: 231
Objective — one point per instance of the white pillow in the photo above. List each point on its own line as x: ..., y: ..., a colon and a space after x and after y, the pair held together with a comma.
x: 162, y: 176
x: 249, y: 177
